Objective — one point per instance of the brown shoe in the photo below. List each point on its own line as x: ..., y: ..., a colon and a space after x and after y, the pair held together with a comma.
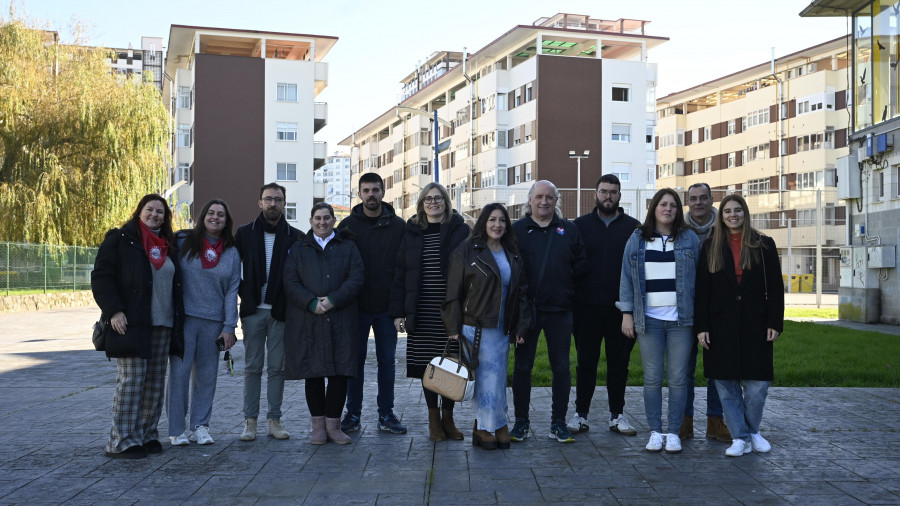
x: 435, y: 431
x: 483, y: 438
x: 716, y: 429
x: 334, y: 433
x: 449, y: 426
x: 687, y: 428
x: 318, y: 435
x: 502, y: 435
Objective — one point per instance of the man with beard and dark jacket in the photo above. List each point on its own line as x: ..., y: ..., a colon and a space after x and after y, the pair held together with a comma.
x: 377, y: 232
x: 263, y: 245
x: 554, y: 258
x: 605, y: 230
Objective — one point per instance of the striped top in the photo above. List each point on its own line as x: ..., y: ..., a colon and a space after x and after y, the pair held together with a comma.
x: 430, y: 336
x: 269, y: 239
x: 660, y: 275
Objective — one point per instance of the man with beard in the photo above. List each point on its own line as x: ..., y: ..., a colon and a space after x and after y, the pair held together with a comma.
x: 605, y: 230
x: 377, y: 232
x: 263, y: 245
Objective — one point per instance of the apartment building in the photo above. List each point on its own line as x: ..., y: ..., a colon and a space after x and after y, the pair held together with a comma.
x: 130, y: 62
x: 773, y: 134
x: 511, y: 112
x: 244, y: 112
x: 869, y: 175
x: 335, y: 180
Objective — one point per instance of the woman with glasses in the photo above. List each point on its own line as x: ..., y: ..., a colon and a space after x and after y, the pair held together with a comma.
x: 419, y: 289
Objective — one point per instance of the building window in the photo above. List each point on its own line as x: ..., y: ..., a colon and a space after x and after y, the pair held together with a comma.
x: 528, y: 93
x: 518, y: 175
x: 756, y: 118
x: 287, y: 92
x: 731, y: 127
x: 878, y: 185
x: 287, y: 171
x: 184, y: 97
x: 621, y: 94
x: 757, y: 152
x: 695, y: 166
x: 707, y: 164
x: 183, y: 173
x: 707, y: 133
x: 518, y: 98
x: 290, y: 211
x: 286, y: 131
x: 758, y: 186
x: 622, y: 171
x: 621, y: 132
x: 730, y: 162
x: 528, y: 172
x: 183, y: 136
x: 806, y: 217
x: 649, y: 138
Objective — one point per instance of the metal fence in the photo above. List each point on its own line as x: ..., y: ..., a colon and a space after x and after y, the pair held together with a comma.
x: 30, y: 268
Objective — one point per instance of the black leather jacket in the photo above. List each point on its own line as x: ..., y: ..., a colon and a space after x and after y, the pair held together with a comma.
x: 474, y: 291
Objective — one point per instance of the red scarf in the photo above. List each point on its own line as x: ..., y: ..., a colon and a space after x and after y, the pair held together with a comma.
x: 155, y: 247
x: 211, y: 253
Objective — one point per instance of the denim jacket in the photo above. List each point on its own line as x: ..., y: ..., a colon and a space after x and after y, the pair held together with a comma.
x: 633, y: 286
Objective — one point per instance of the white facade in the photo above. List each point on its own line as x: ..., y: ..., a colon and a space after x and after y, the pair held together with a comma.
x: 336, y: 179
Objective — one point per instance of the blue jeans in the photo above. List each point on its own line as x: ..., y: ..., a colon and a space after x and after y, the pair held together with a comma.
x: 557, y: 327
x: 665, y: 347
x: 262, y: 334
x: 385, y: 353
x: 194, y: 375
x: 713, y: 404
x: 743, y: 410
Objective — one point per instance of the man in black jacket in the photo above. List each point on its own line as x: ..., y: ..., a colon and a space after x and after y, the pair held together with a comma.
x: 554, y: 258
x: 605, y: 230
x: 377, y: 232
x: 263, y: 245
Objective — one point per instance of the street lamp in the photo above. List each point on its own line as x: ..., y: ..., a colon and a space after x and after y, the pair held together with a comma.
x: 578, y: 157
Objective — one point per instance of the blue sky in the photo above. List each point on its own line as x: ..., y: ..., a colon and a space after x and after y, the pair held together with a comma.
x: 380, y: 41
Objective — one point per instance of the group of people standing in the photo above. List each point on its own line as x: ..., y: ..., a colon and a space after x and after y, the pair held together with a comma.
x: 309, y: 302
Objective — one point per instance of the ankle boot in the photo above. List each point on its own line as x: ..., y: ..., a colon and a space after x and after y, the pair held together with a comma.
x: 716, y: 429
x: 687, y: 428
x: 503, y: 439
x: 449, y: 425
x: 483, y: 438
x: 318, y: 436
x: 334, y: 433
x: 435, y: 431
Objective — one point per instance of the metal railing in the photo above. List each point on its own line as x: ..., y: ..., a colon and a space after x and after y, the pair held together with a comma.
x: 41, y: 268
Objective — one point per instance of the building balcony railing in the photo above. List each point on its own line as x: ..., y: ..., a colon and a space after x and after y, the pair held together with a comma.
x: 320, y: 154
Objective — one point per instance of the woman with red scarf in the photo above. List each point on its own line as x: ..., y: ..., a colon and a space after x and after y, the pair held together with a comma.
x: 211, y: 272
x: 137, y: 284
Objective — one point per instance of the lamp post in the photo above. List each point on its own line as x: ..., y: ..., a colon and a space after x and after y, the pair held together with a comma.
x: 578, y: 157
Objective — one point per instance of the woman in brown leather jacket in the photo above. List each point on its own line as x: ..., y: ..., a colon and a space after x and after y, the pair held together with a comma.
x: 487, y: 304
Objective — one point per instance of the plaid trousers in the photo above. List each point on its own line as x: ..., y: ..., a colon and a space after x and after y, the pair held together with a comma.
x: 137, y: 403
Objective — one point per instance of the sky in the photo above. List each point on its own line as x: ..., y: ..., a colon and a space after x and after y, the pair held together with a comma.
x: 381, y: 41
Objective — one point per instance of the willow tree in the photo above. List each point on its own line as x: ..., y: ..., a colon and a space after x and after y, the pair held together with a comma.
x: 79, y: 145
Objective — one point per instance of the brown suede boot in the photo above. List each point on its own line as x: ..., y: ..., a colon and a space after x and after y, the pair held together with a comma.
x: 449, y: 425
x: 318, y: 436
x: 334, y: 432
x: 435, y: 431
x: 483, y: 438
x: 502, y: 435
x: 687, y: 428
x: 716, y: 429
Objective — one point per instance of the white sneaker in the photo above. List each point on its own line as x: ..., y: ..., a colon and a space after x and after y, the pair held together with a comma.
x: 577, y: 424
x: 673, y: 443
x: 181, y: 440
x: 759, y: 443
x: 201, y: 436
x: 738, y: 447
x: 620, y: 424
x: 656, y: 442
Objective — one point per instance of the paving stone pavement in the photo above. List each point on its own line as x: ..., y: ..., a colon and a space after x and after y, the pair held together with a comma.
x: 830, y: 446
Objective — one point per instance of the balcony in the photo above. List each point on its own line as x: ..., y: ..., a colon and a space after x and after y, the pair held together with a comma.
x: 320, y: 116
x: 320, y: 154
x: 321, y: 76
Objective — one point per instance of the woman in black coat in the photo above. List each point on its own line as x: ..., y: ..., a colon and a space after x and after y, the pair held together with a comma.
x: 137, y: 285
x: 420, y: 285
x: 738, y: 314
x: 322, y: 277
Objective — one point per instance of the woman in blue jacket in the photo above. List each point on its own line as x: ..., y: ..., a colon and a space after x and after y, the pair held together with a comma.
x: 656, y: 297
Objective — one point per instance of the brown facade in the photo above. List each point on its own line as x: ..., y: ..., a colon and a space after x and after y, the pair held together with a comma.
x: 229, y: 142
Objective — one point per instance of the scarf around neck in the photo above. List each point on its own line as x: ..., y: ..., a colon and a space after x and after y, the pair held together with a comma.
x: 155, y: 247
x: 211, y: 253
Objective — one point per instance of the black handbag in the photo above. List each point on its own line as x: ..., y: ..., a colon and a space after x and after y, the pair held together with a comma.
x: 101, y: 329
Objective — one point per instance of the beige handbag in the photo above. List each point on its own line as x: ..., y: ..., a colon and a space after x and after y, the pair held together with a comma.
x: 453, y: 376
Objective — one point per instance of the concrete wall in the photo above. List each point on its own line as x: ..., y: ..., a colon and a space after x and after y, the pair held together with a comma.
x: 39, y: 302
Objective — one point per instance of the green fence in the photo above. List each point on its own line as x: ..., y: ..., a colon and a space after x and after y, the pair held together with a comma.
x: 41, y: 268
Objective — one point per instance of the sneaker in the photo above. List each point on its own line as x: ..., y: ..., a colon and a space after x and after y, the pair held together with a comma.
x: 673, y: 443
x: 181, y: 440
x: 390, y: 423
x: 201, y: 436
x: 560, y: 432
x: 620, y: 424
x: 578, y: 424
x: 656, y: 442
x: 350, y: 423
x: 759, y: 443
x: 738, y: 447
x: 249, y: 433
x: 276, y: 430
x: 520, y: 430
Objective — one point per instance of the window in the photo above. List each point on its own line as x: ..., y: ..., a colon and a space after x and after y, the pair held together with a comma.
x: 501, y: 102
x: 286, y: 171
x: 895, y: 183
x: 518, y: 98
x: 695, y: 167
x: 182, y: 173
x: 758, y: 186
x: 501, y: 176
x: 528, y: 172
x: 806, y: 217
x: 878, y: 185
x: 290, y: 211
x: 621, y: 94
x: 184, y: 97
x: 707, y: 133
x: 730, y: 162
x: 757, y: 152
x: 759, y: 220
x: 679, y: 137
x: 518, y: 175
x: 287, y: 92
x: 528, y: 93
x: 622, y: 171
x: 666, y: 170
x: 184, y: 136
x: 649, y: 139
x: 802, y: 107
x: 731, y: 127
x: 286, y: 132
x: 621, y: 132
x: 756, y: 118
x: 707, y: 164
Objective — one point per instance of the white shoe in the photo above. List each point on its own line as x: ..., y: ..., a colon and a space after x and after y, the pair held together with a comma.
x: 577, y: 424
x: 201, y: 436
x: 759, y: 443
x: 181, y: 440
x: 738, y: 447
x: 656, y: 442
x: 673, y: 443
x: 620, y: 424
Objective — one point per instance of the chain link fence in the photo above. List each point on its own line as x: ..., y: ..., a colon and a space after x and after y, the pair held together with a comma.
x: 41, y: 268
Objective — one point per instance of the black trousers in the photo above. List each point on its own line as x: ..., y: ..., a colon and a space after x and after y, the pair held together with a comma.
x: 557, y: 327
x: 328, y: 402
x: 593, y: 324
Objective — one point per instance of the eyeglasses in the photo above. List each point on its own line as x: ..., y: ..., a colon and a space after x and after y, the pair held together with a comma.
x: 269, y: 200
x: 608, y: 192
x: 436, y: 199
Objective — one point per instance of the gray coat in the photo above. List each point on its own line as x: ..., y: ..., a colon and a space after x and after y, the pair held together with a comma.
x: 317, y: 346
